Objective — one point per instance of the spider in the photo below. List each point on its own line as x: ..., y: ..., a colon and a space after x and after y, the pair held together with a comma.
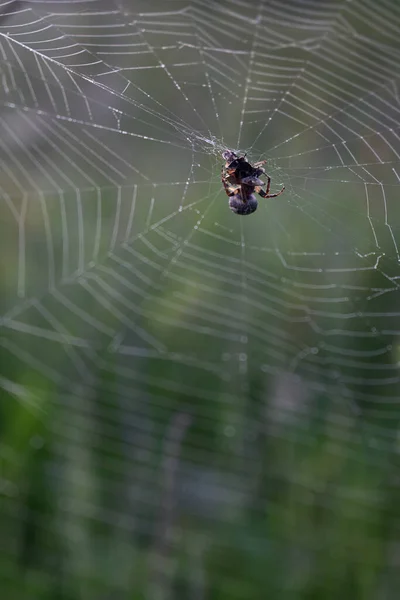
x: 241, y: 179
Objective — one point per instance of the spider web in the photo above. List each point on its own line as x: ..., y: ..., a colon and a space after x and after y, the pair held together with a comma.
x: 137, y: 310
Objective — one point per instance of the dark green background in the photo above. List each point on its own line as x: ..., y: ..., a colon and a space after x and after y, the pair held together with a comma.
x: 197, y: 405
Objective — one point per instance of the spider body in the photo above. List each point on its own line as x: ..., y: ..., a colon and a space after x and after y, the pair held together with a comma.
x: 241, y: 181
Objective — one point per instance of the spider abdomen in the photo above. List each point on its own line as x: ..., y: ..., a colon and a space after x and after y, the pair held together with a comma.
x: 240, y: 207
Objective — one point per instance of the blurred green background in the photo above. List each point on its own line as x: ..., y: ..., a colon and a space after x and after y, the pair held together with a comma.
x: 194, y: 404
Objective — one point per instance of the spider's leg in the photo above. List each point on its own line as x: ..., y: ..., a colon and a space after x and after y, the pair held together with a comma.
x: 230, y: 190
x: 268, y: 184
x: 259, y: 163
x: 228, y: 175
x: 258, y: 186
x: 265, y: 194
